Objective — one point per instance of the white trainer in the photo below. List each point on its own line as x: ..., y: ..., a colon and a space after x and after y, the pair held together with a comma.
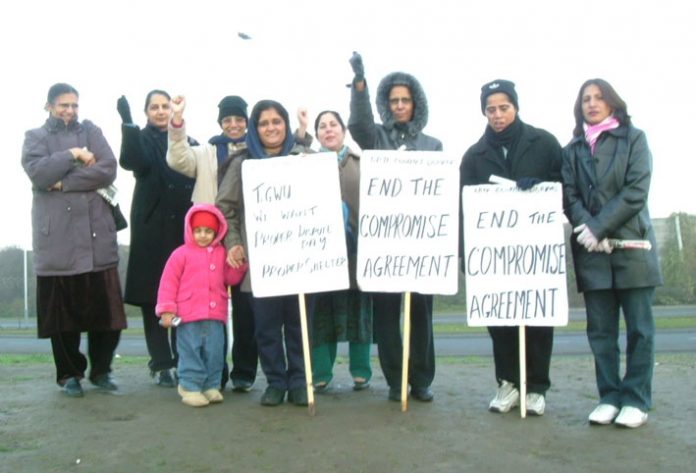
x: 603, y: 414
x: 536, y: 404
x: 631, y: 417
x: 505, y: 398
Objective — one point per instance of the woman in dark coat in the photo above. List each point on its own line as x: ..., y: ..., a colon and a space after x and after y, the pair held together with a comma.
x: 161, y: 199
x: 514, y: 150
x: 74, y: 242
x: 276, y: 319
x: 403, y: 109
x: 607, y: 168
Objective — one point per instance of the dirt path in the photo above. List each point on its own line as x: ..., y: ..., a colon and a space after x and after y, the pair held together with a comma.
x: 145, y: 428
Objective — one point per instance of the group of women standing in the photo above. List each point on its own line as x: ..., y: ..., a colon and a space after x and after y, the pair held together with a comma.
x: 605, y: 171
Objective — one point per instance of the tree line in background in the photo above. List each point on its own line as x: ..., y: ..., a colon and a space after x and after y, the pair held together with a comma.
x: 676, y: 240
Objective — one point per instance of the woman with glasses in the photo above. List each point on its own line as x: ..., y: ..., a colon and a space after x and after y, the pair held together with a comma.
x: 403, y: 109
x: 74, y: 242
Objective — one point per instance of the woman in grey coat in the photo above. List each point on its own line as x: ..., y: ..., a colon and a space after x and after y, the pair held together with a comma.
x: 403, y: 109
x: 606, y: 171
x: 74, y: 242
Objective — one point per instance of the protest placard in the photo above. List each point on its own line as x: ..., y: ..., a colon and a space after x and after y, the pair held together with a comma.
x: 408, y: 225
x: 294, y: 222
x: 514, y: 255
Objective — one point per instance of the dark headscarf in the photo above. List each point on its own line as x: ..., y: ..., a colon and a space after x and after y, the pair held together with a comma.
x: 253, y: 142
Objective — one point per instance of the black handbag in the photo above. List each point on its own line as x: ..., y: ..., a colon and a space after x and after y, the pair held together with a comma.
x: 119, y: 218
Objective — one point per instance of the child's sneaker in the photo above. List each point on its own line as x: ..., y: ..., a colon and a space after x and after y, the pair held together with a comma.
x: 192, y: 398
x: 213, y: 395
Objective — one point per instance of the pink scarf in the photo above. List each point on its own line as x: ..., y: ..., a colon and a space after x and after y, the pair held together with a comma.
x: 593, y: 132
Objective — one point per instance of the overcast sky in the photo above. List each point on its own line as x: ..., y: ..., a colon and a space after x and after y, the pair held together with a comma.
x: 298, y: 54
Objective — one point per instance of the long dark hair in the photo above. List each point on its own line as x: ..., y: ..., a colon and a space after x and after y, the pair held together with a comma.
x: 155, y: 92
x: 610, y: 96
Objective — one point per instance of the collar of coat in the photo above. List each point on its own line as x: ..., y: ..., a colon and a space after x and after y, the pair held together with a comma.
x: 55, y: 125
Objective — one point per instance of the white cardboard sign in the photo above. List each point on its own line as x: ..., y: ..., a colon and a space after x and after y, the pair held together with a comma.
x: 408, y: 226
x: 294, y: 223
x: 514, y: 255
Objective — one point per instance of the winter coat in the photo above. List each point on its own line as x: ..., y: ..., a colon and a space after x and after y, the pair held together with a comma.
x: 537, y: 154
x: 349, y: 178
x: 195, y: 279
x: 389, y: 135
x: 230, y: 201
x: 160, y: 201
x: 73, y: 228
x: 608, y: 192
x: 198, y: 162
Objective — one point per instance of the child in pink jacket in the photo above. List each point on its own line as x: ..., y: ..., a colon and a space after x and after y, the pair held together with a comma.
x: 193, y: 287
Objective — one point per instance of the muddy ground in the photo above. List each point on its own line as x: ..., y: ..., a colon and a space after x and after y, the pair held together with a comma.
x: 145, y: 428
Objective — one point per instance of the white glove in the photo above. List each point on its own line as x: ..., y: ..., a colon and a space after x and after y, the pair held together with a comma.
x: 586, y: 238
x: 605, y: 246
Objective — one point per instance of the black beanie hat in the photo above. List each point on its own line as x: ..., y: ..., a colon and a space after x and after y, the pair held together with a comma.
x: 232, y: 105
x: 498, y: 86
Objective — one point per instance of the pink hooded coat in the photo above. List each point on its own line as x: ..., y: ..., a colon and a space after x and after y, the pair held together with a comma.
x: 195, y: 279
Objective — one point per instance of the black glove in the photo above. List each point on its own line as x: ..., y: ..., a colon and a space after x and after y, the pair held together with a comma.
x: 526, y: 183
x: 356, y: 63
x: 124, y: 110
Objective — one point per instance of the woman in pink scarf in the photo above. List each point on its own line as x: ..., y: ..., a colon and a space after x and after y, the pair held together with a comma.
x: 606, y: 171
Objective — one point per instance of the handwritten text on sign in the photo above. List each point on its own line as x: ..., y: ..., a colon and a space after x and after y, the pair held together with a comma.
x: 408, y: 230
x: 294, y: 223
x: 514, y: 256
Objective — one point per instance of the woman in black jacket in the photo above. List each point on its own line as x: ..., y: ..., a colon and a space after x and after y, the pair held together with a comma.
x: 512, y: 149
x: 607, y: 168
x: 160, y: 201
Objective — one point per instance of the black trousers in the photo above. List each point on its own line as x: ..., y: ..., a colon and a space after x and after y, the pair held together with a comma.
x: 161, y: 342
x: 387, y: 333
x: 279, y: 338
x: 245, y: 355
x: 70, y: 362
x: 539, y: 344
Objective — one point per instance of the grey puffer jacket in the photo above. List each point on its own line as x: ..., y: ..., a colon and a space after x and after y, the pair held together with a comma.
x: 73, y: 228
x: 390, y: 135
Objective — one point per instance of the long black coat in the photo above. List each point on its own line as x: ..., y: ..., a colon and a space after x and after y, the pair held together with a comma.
x: 161, y: 199
x: 538, y: 154
x: 608, y: 192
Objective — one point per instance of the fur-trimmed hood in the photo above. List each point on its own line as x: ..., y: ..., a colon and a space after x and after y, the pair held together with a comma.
x: 420, y: 102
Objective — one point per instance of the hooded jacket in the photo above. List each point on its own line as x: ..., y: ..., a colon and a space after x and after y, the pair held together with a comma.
x: 195, y: 279
x: 390, y: 135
